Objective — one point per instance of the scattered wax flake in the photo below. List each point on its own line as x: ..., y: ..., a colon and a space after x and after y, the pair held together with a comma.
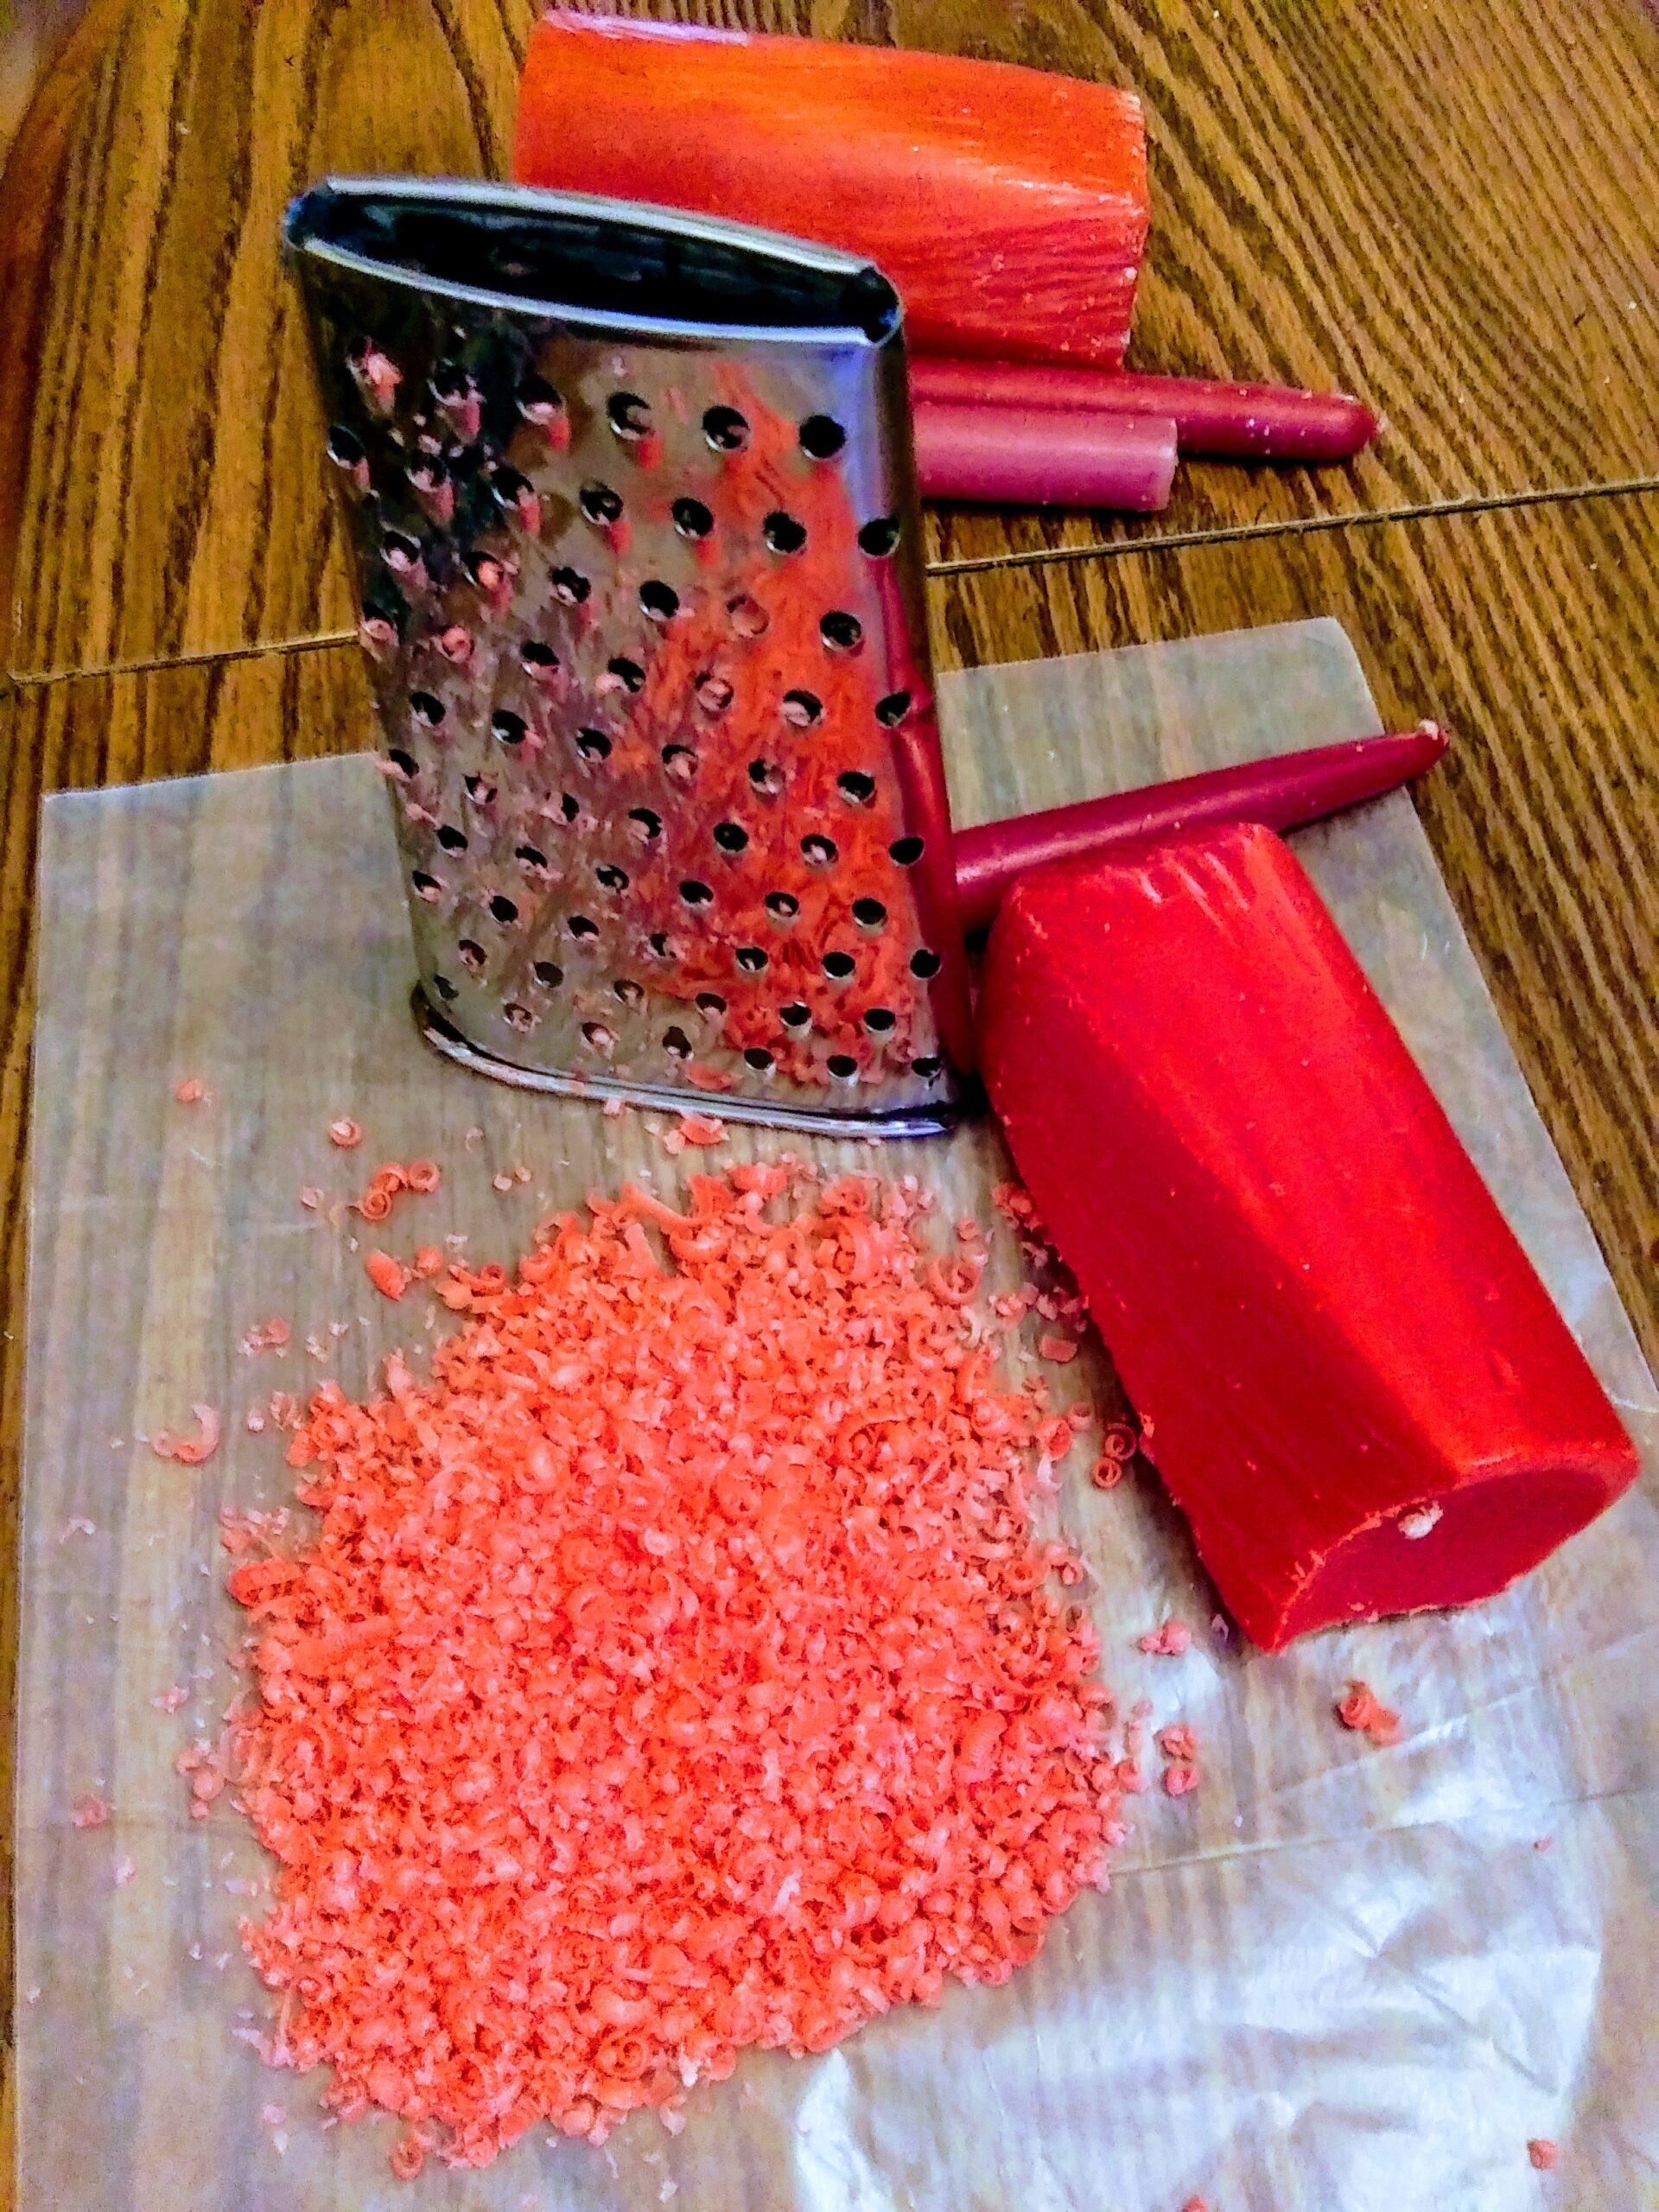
x: 266, y: 1336
x: 89, y: 1811
x: 1181, y: 1778
x: 190, y: 1092
x: 310, y: 1197
x: 190, y: 1451
x: 77, y: 1525
x: 1168, y: 1642
x: 1362, y: 1711
x: 123, y: 1871
x: 1419, y: 1521
x: 501, y: 1182
x: 346, y: 1134
x: 170, y: 1698
x: 1543, y: 2153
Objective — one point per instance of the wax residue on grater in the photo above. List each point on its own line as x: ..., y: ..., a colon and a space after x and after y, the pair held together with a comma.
x: 635, y: 529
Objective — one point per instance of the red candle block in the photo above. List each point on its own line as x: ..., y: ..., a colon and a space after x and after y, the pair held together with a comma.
x: 1031, y: 456
x: 1354, y: 1383
x: 1009, y: 205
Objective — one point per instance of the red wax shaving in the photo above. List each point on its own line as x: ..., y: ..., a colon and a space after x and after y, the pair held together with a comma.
x: 1169, y: 1641
x: 266, y: 1336
x: 190, y: 1451
x: 190, y: 1092
x: 671, y: 1673
x: 1362, y: 1711
x: 344, y: 1133
x: 384, y: 1272
x: 1543, y: 2153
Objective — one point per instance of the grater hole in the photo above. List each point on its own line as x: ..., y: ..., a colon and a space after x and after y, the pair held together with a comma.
x: 801, y: 709
x: 696, y: 894
x: 582, y: 927
x: 480, y: 791
x: 680, y: 761
x: 659, y: 944
x: 928, y: 1065
x: 613, y: 878
x: 725, y: 430
x: 820, y: 851
x: 838, y: 966
x: 731, y: 836
x: 783, y: 905
x: 647, y: 826
x: 758, y: 1057
x: 399, y: 551
x: 593, y: 744
x: 855, y: 787
x: 869, y: 913
x: 548, y: 974
x: 628, y: 673
x: 766, y: 777
x: 452, y: 840
x: 714, y: 693
x: 880, y: 1019
x: 630, y: 416
x: 511, y: 490
x: 821, y: 437
x: 628, y: 991
x: 892, y: 711
x: 471, y: 954
x: 841, y: 632
x: 783, y: 533
x: 445, y: 989
x: 878, y: 538
x: 539, y: 660
x: 531, y: 855
x: 692, y: 519
x: 570, y: 806
x: 752, y: 960
x: 843, y: 1066
x: 519, y: 1017
x: 710, y: 1002
x: 539, y: 401
x: 345, y: 446
x: 925, y: 963
x: 795, y: 1016
x: 426, y: 708
x: 599, y: 503
x: 405, y: 763
x: 677, y: 1042
x: 450, y: 381
x: 747, y: 615
x: 658, y: 601
x: 505, y: 910
x: 424, y: 886
x: 906, y: 851
x: 508, y: 727
x: 571, y: 585
x: 596, y: 1035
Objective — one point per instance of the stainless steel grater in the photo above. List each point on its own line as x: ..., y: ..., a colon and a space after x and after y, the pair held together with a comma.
x: 634, y: 521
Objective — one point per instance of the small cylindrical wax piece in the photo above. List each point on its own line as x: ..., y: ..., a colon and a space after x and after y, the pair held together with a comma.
x: 1040, y: 457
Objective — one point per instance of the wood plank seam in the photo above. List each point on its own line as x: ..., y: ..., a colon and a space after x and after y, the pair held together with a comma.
x: 1302, y: 526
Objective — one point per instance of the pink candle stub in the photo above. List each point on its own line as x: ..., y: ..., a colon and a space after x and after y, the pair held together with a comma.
x: 1050, y: 457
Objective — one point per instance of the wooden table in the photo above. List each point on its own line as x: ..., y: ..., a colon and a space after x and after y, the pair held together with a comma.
x: 1452, y: 210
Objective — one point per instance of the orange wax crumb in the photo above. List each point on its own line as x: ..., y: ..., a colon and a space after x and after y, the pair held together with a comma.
x: 344, y: 1133
x: 1180, y: 1778
x: 1543, y: 2153
x: 89, y: 1812
x: 1169, y: 1641
x: 190, y: 1092
x: 266, y: 1336
x: 190, y: 1451
x: 1362, y: 1711
x: 1060, y: 1350
x: 703, y: 1129
x: 428, y: 1261
x: 384, y: 1272
x: 672, y: 1672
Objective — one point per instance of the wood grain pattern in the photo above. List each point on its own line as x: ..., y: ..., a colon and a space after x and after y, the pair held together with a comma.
x: 1454, y: 212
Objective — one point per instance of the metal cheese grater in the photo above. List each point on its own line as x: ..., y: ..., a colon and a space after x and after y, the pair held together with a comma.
x: 636, y: 536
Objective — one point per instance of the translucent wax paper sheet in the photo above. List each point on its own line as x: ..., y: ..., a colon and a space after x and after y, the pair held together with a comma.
x: 1336, y: 1979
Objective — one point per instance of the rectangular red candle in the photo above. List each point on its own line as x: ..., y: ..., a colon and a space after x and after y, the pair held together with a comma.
x: 1357, y: 1388
x: 1009, y: 205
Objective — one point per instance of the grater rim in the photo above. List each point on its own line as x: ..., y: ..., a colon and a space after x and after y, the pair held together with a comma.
x: 443, y: 195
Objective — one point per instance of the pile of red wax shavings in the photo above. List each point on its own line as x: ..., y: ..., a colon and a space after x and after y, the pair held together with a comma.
x: 672, y: 1672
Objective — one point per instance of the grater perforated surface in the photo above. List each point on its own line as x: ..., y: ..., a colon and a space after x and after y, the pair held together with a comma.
x: 636, y: 535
